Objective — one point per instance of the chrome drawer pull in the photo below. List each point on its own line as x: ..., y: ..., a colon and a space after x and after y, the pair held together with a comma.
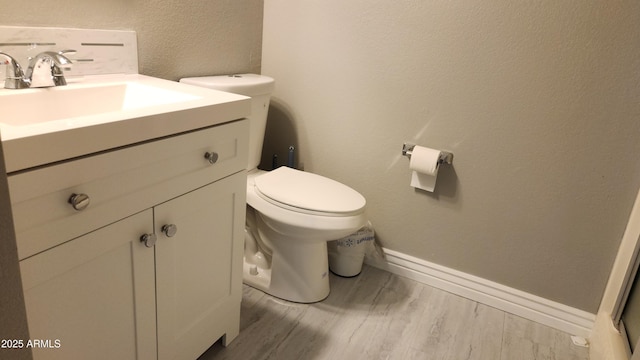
x: 79, y: 201
x: 169, y: 230
x: 211, y: 156
x: 149, y: 240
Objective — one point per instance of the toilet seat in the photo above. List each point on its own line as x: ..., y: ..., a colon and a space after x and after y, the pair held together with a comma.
x: 308, y: 193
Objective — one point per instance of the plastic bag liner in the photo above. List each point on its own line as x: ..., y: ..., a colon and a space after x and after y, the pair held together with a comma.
x: 346, y: 255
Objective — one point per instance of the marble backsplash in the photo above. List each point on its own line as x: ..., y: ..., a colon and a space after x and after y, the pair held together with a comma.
x: 98, y: 52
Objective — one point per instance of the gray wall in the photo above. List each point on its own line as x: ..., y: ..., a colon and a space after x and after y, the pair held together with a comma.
x: 539, y: 101
x: 175, y: 38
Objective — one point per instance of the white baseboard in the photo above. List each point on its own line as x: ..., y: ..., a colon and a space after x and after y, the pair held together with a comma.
x: 517, y: 302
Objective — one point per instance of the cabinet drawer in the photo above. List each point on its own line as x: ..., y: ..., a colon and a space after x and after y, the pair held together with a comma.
x: 119, y: 183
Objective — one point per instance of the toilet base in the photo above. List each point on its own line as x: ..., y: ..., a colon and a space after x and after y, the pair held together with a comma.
x: 299, y: 272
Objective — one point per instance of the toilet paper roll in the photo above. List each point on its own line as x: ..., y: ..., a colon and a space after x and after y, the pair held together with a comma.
x: 424, y: 163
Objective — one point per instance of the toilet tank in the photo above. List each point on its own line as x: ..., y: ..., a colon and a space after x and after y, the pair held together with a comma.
x: 259, y: 88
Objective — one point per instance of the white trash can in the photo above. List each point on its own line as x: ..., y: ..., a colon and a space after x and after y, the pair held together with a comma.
x: 346, y: 255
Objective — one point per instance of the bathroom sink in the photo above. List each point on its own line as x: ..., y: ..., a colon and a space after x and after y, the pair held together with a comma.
x: 33, y: 106
x: 98, y: 113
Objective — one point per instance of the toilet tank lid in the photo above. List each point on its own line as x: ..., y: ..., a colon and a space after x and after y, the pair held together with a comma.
x: 308, y: 191
x: 242, y: 84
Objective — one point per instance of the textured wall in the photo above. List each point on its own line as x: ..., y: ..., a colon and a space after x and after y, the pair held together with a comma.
x: 175, y: 38
x: 539, y: 101
x: 199, y: 37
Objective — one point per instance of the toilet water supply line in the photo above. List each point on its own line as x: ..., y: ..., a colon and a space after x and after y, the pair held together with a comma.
x: 290, y: 159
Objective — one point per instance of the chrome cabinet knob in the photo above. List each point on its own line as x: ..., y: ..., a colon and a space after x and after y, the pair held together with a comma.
x: 79, y: 201
x: 149, y: 240
x: 211, y: 156
x: 169, y: 230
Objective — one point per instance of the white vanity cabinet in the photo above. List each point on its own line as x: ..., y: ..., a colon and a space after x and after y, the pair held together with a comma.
x: 97, y: 287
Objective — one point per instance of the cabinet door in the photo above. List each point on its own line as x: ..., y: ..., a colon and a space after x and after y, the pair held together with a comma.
x: 93, y: 297
x: 198, y: 269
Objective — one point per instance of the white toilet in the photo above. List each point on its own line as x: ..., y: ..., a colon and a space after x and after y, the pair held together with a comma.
x: 291, y: 214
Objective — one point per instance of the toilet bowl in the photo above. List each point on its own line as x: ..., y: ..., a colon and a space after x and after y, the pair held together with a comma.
x: 291, y: 214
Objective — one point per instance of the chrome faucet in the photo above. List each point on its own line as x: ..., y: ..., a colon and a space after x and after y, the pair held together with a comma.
x: 43, y: 71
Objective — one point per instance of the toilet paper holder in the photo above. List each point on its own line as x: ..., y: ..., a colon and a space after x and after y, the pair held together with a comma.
x: 445, y: 156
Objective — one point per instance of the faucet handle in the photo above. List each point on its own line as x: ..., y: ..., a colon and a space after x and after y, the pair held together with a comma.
x: 58, y: 58
x: 56, y: 71
x: 14, y: 76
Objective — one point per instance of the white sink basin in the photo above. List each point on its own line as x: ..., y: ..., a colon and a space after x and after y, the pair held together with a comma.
x: 33, y: 106
x: 93, y: 114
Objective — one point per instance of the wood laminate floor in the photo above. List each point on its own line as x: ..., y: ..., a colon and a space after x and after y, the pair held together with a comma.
x: 378, y: 315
